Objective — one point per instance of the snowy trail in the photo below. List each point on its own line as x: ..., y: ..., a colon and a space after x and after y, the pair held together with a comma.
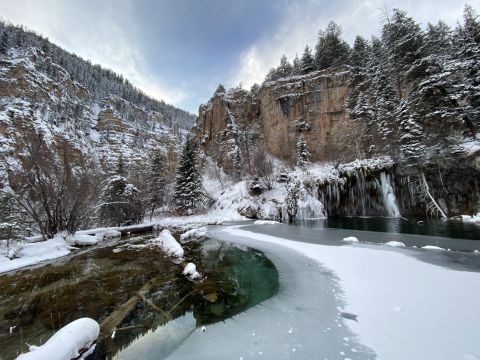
x: 406, y: 308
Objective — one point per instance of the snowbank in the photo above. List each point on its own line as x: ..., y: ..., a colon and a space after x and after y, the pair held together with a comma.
x: 194, y: 233
x: 34, y: 253
x: 67, y: 342
x: 168, y: 244
x: 191, y: 272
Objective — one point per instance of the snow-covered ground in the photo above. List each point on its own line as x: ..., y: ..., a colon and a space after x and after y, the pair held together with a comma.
x: 35, y: 253
x: 395, y: 304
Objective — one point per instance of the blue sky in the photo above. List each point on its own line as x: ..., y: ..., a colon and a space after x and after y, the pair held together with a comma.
x: 180, y: 50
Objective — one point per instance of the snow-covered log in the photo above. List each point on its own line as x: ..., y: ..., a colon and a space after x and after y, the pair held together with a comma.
x: 69, y: 342
x: 194, y: 233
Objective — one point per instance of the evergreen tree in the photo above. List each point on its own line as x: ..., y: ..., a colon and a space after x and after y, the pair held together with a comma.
x: 297, y: 66
x: 302, y: 155
x: 12, y: 221
x: 120, y: 203
x: 359, y: 54
x: 331, y: 50
x: 402, y: 37
x: 220, y: 89
x: 411, y: 133
x: 120, y: 170
x: 237, y: 164
x: 469, y: 54
x: 307, y: 62
x: 156, y: 181
x: 188, y: 186
x: 285, y: 69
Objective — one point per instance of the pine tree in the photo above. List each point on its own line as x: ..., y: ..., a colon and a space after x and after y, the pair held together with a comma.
x: 359, y: 54
x: 237, y: 164
x: 331, y: 50
x: 302, y: 155
x: 469, y: 54
x: 12, y: 219
x: 307, y: 62
x: 402, y: 37
x: 188, y: 187
x: 120, y: 203
x: 220, y: 89
x: 120, y: 170
x: 411, y: 133
x: 297, y: 66
x: 156, y: 181
x: 285, y: 69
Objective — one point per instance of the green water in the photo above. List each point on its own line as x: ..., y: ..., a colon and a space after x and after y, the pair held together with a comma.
x: 40, y: 301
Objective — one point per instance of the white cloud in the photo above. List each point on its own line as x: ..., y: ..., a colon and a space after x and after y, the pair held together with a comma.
x: 303, y: 20
x: 100, y: 32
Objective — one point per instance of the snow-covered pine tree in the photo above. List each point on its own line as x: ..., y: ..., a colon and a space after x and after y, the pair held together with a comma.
x: 120, y: 170
x: 359, y: 55
x: 188, y: 186
x: 302, y: 155
x: 469, y: 54
x: 285, y: 69
x: 12, y: 220
x: 402, y: 37
x: 307, y: 62
x: 237, y: 164
x: 296, y: 67
x: 331, y: 49
x: 120, y: 203
x: 412, y: 148
x: 156, y: 181
x: 383, y: 98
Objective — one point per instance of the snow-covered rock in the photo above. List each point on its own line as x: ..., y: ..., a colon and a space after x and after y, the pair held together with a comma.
x: 475, y: 219
x: 168, y: 244
x: 432, y: 247
x: 351, y: 239
x: 395, y: 244
x: 191, y: 272
x: 85, y: 240
x: 67, y: 342
x: 194, y: 233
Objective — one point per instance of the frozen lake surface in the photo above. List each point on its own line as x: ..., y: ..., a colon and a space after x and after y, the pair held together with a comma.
x: 339, y: 300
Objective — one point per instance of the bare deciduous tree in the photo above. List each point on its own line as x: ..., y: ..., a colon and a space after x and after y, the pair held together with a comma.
x: 56, y: 188
x: 263, y: 167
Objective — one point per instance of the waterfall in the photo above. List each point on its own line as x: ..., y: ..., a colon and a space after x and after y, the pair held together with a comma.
x: 301, y: 205
x: 389, y: 199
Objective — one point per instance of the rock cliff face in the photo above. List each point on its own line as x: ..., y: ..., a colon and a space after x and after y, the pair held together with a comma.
x: 61, y: 111
x: 274, y: 115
